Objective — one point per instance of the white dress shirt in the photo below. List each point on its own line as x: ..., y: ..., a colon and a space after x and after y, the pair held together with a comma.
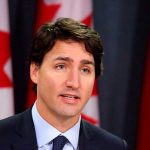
x: 45, y: 133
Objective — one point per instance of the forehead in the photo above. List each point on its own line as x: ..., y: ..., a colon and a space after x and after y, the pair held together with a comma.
x: 76, y: 51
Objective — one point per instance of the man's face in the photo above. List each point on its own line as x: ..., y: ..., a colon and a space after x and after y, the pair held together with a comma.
x: 64, y: 80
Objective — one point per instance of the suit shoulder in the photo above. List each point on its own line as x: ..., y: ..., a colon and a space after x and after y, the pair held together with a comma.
x: 108, y: 139
x: 9, y: 124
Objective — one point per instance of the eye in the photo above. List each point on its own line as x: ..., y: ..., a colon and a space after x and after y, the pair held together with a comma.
x: 85, y: 70
x: 60, y: 67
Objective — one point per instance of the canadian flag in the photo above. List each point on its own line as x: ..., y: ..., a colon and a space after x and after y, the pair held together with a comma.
x: 81, y: 11
x: 6, y: 85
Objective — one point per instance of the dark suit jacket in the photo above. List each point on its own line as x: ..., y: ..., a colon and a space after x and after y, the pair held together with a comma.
x: 18, y: 133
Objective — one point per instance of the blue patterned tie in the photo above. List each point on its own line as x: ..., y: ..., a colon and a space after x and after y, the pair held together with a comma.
x: 59, y: 142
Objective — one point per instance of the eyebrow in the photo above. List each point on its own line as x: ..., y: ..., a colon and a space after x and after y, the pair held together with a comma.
x: 68, y: 59
x: 84, y: 61
x: 63, y: 58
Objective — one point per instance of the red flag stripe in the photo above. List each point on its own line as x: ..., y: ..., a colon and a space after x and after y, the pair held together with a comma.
x: 144, y: 121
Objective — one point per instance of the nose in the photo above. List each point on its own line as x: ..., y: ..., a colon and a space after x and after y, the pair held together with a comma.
x: 73, y: 79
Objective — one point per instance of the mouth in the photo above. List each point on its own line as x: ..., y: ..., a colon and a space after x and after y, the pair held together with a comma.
x: 69, y: 98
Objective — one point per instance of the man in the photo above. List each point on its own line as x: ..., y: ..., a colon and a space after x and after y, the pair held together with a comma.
x: 65, y: 60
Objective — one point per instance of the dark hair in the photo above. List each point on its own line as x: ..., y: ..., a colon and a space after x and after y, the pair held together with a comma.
x: 66, y: 29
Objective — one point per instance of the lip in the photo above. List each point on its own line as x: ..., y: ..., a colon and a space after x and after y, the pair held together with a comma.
x: 70, y: 98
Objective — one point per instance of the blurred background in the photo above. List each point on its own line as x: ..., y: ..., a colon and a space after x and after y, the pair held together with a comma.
x: 121, y: 94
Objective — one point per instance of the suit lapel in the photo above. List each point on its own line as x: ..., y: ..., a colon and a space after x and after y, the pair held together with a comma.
x: 25, y: 133
x: 85, y: 136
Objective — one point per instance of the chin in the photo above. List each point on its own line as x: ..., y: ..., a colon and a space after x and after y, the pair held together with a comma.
x: 72, y: 114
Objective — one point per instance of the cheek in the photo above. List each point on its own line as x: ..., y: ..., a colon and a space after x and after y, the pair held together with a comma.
x: 88, y: 87
x: 50, y: 83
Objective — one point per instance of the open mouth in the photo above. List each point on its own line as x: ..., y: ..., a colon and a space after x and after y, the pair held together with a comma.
x: 70, y: 96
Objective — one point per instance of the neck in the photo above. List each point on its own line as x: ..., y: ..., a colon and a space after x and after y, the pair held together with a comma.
x: 61, y: 123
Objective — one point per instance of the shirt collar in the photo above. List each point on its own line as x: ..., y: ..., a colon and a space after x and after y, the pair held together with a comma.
x: 48, y: 132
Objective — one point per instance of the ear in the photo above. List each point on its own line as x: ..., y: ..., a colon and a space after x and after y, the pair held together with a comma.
x: 34, y: 69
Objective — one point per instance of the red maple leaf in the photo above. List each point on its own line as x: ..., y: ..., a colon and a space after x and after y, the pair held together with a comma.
x: 88, y: 20
x: 90, y: 119
x: 45, y: 12
x: 4, y: 56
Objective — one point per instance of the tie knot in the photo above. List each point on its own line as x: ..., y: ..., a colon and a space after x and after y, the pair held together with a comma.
x: 59, y: 142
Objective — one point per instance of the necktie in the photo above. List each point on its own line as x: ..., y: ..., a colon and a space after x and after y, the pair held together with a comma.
x: 59, y: 142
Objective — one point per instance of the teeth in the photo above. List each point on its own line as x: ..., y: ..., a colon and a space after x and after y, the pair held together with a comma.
x: 70, y: 96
